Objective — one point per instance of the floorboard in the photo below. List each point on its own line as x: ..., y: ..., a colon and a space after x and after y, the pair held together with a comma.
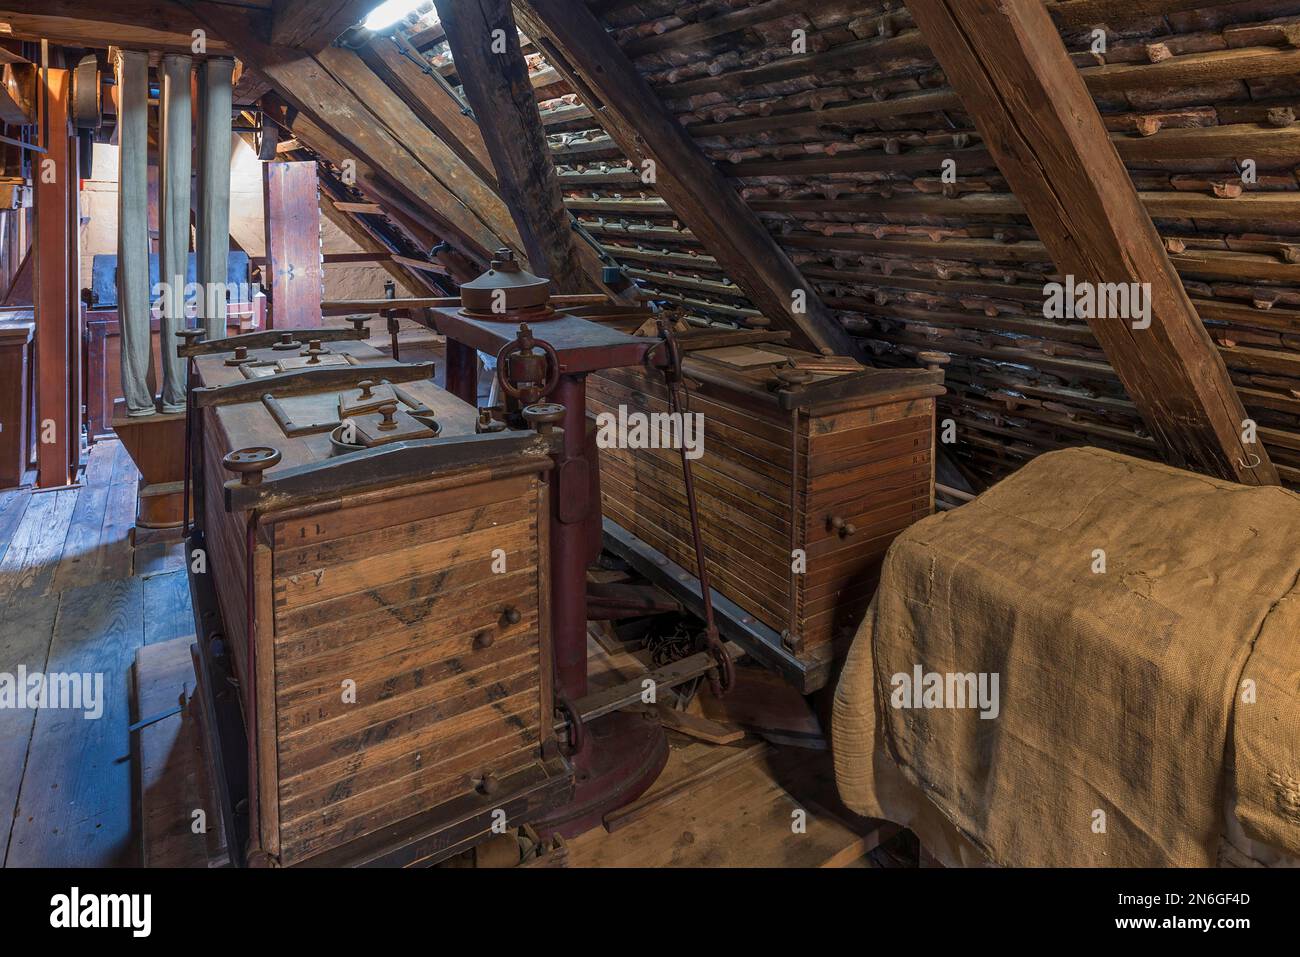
x: 114, y: 558
x: 173, y: 782
x: 33, y: 554
x: 26, y: 627
x: 167, y: 613
x: 75, y: 806
x: 79, y: 563
x: 13, y: 505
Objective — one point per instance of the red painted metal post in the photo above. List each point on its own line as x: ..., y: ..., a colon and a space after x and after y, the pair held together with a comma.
x: 570, y: 547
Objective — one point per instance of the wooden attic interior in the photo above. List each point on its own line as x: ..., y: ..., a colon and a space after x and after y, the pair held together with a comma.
x: 843, y: 217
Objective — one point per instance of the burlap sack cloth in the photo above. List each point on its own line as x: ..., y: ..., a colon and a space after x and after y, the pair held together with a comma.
x: 1134, y: 703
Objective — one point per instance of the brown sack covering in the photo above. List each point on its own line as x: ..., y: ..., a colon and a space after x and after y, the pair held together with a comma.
x: 1117, y: 689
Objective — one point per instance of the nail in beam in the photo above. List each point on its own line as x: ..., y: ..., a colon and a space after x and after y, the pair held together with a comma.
x: 174, y: 220
x: 212, y: 244
x: 133, y: 231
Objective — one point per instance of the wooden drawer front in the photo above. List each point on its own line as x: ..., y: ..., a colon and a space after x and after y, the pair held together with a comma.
x: 443, y: 684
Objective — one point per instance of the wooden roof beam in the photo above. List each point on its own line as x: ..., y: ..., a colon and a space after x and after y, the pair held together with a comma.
x: 132, y: 24
x: 312, y: 25
x: 339, y: 112
x: 432, y: 99
x: 576, y: 44
x: 1007, y: 62
x: 497, y: 87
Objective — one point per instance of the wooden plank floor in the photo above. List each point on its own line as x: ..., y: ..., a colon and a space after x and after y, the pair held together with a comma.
x: 748, y: 804
x: 77, y: 598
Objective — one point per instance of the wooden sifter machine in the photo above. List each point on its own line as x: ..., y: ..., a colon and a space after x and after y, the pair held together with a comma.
x: 370, y: 574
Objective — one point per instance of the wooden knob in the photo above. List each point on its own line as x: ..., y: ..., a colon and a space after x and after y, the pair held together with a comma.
x: 845, y: 529
x: 934, y: 361
x: 489, y: 784
x: 366, y: 386
x: 388, y: 411
x: 250, y: 463
x: 790, y: 377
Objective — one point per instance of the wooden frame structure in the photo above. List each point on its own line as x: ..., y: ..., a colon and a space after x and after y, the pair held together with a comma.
x: 1007, y: 62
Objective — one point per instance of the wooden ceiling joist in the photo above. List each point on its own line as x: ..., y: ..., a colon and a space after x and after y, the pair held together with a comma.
x: 574, y: 41
x: 1007, y: 62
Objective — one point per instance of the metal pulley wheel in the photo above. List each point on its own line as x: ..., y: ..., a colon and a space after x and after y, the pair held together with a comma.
x: 87, y: 94
x: 267, y: 139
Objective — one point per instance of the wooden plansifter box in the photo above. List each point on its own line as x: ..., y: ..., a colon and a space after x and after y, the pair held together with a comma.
x: 834, y: 466
x: 391, y: 637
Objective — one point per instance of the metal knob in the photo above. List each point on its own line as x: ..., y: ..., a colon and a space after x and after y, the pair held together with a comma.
x: 511, y: 616
x: 359, y: 324
x: 240, y: 356
x: 251, y: 462
x: 544, y: 416
x: 388, y: 411
x: 845, y: 529
x: 367, y: 388
x: 287, y: 342
x: 483, y: 640
x: 489, y: 784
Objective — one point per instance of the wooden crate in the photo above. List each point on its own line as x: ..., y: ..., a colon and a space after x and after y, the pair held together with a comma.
x: 391, y: 669
x: 784, y: 471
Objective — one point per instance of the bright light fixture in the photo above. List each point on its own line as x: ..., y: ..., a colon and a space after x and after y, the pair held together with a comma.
x: 389, y: 12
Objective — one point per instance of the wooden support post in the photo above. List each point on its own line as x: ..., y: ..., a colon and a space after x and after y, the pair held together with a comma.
x: 133, y: 305
x: 485, y: 46
x: 212, y: 242
x: 632, y: 113
x: 56, y: 432
x: 293, y: 265
x: 1034, y: 113
x: 175, y: 147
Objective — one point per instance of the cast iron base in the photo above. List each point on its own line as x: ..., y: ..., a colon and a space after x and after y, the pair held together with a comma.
x: 622, y: 756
